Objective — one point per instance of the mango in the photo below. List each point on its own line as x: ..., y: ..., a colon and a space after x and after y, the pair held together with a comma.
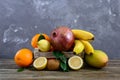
x: 98, y: 59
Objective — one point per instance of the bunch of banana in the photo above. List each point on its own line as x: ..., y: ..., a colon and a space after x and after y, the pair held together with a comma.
x: 82, y: 34
x: 82, y: 41
x: 79, y: 47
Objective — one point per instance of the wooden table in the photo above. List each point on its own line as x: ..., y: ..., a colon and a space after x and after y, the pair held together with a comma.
x: 8, y: 71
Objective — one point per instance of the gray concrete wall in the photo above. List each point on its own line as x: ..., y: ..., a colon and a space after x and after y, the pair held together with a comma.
x: 21, y: 19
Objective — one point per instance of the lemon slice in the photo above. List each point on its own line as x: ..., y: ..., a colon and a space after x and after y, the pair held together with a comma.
x: 75, y: 62
x: 40, y: 63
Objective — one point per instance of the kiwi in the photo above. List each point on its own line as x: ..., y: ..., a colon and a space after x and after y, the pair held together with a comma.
x: 53, y: 64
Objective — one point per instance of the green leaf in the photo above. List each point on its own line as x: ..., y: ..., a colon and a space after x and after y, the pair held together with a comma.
x: 57, y: 54
x: 20, y: 69
x: 41, y: 37
x: 63, y: 60
x: 64, y: 66
x: 31, y: 68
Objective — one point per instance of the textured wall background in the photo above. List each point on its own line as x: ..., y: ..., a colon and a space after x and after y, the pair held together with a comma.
x: 21, y: 19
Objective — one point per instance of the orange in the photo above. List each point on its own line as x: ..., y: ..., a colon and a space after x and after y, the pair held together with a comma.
x: 35, y: 40
x: 46, y: 36
x: 23, y: 57
x: 36, y: 37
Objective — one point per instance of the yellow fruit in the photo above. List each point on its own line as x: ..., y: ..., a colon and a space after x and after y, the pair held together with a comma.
x: 53, y: 64
x: 75, y: 62
x: 82, y: 34
x: 98, y: 59
x: 89, y: 49
x: 44, y: 45
x: 36, y: 37
x: 40, y: 63
x: 79, y: 47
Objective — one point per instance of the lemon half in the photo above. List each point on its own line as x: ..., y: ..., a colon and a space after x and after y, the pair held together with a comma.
x: 75, y: 62
x: 40, y: 63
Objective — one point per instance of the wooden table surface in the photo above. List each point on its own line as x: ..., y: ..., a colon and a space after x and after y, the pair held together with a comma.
x: 8, y: 71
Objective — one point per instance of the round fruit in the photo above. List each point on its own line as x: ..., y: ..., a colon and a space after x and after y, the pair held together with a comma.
x: 35, y: 38
x: 44, y: 45
x: 51, y: 48
x: 98, y: 59
x: 62, y: 38
x: 23, y: 57
x: 40, y: 63
x: 75, y: 62
x: 53, y: 64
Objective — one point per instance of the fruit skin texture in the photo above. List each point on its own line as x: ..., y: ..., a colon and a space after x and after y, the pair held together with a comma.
x: 46, y: 36
x: 35, y: 38
x: 23, y: 57
x: 44, y: 45
x: 98, y: 59
x: 79, y: 47
x: 62, y: 38
x: 53, y: 64
x: 89, y: 49
x: 82, y: 34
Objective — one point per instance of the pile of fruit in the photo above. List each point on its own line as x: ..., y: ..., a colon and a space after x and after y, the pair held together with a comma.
x: 62, y: 39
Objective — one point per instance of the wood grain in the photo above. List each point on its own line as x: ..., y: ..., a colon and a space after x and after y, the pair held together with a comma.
x: 37, y: 54
x: 8, y: 71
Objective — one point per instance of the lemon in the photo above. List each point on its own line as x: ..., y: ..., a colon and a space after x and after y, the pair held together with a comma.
x: 75, y: 62
x: 44, y: 45
x: 40, y: 63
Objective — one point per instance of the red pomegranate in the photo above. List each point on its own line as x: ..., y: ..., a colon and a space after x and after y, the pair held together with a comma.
x: 62, y: 38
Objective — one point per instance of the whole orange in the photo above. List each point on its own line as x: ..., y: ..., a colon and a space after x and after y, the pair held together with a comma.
x: 23, y: 57
x: 36, y: 37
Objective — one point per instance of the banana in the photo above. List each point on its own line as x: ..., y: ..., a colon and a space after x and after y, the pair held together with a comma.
x: 79, y: 47
x: 82, y: 34
x: 89, y: 49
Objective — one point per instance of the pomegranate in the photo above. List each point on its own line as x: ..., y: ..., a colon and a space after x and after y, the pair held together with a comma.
x: 62, y: 38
